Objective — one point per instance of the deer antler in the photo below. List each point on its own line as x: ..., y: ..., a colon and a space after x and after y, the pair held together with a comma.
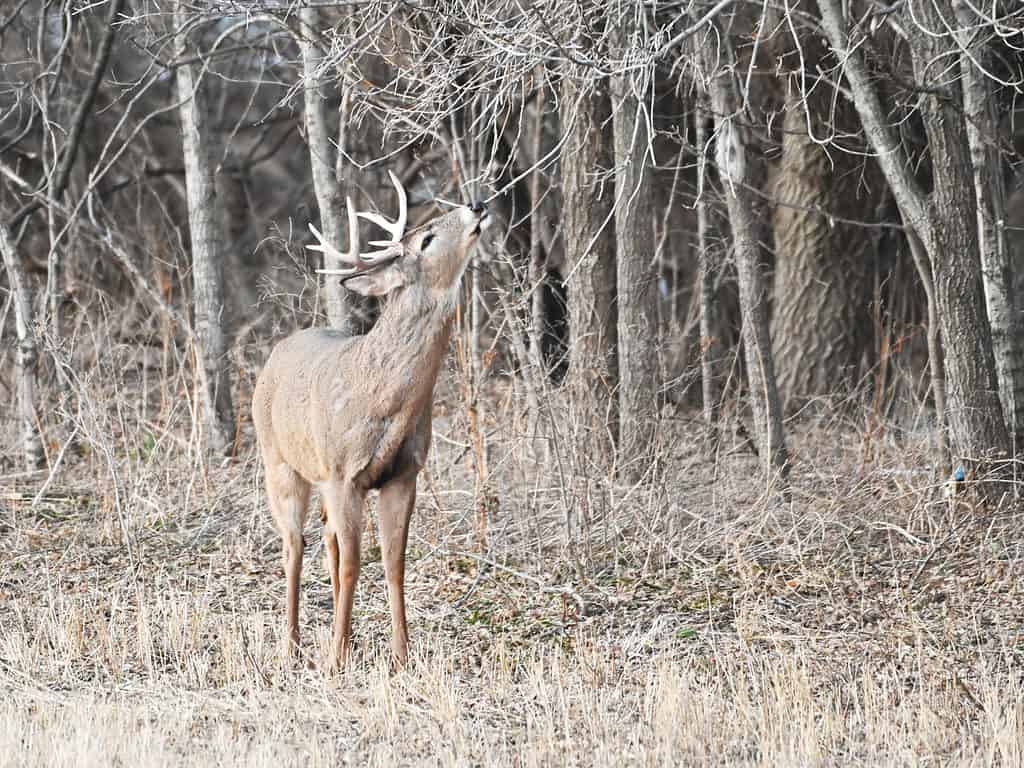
x: 356, y: 261
x: 395, y: 228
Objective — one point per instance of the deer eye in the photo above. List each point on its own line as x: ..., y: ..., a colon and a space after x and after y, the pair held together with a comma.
x: 426, y: 241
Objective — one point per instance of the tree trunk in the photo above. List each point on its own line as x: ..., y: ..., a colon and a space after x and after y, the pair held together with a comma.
x: 739, y: 174
x: 816, y: 290
x: 28, y: 354
x: 204, y: 226
x: 990, y: 194
x: 944, y: 220
x: 322, y: 158
x: 977, y: 428
x: 589, y: 238
x: 710, y: 344
x: 636, y: 277
x: 938, y: 375
x: 537, y: 271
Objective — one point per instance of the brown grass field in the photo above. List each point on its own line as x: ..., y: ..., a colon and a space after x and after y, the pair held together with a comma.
x: 698, y: 621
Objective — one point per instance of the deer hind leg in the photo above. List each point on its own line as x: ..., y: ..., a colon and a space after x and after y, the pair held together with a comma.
x: 342, y: 538
x: 397, y: 500
x: 289, y: 503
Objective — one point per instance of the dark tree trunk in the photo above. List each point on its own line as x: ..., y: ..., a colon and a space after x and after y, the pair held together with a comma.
x: 589, y: 237
x: 818, y: 282
x: 990, y: 193
x: 710, y: 343
x: 945, y: 220
x: 976, y: 425
x: 636, y: 271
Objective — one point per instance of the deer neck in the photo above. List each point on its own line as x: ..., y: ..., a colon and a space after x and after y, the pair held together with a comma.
x: 408, y: 342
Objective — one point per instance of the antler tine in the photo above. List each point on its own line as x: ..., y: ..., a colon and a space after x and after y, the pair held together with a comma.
x: 395, y: 228
x: 355, y: 259
x: 352, y: 257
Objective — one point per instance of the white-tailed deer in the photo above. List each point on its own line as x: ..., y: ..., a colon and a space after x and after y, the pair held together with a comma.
x: 349, y: 414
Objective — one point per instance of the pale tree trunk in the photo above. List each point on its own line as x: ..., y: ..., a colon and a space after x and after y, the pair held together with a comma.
x: 636, y: 275
x: 28, y: 353
x: 323, y: 157
x: 817, y: 288
x: 710, y: 343
x: 945, y: 222
x: 990, y: 194
x: 207, y: 253
x: 738, y: 171
x: 589, y: 237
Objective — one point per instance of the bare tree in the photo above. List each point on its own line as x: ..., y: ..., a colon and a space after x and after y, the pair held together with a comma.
x: 819, y: 270
x: 207, y: 258
x: 28, y: 354
x: 990, y: 193
x: 325, y: 161
x: 636, y: 278
x: 737, y: 167
x: 589, y: 237
x: 944, y: 219
x: 710, y: 343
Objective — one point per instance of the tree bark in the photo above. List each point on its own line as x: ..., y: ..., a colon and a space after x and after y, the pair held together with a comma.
x: 710, y: 343
x: 739, y: 174
x: 322, y: 157
x: 945, y: 220
x: 28, y: 354
x: 816, y: 290
x: 977, y: 427
x: 990, y: 194
x: 636, y: 277
x: 935, y: 357
x: 207, y: 258
x: 537, y: 271
x: 589, y: 237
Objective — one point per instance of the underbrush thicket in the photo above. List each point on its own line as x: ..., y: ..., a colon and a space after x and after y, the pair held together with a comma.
x: 557, y: 615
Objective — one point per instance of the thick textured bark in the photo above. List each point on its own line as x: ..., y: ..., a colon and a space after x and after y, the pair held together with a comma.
x: 976, y: 425
x: 990, y: 194
x: 816, y: 289
x: 636, y: 273
x: 710, y: 344
x: 28, y: 354
x: 945, y: 220
x: 322, y: 157
x: 739, y: 174
x: 207, y: 257
x: 589, y: 237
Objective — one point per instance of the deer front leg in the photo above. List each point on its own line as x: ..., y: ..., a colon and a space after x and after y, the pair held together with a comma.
x: 343, y: 533
x: 397, y: 500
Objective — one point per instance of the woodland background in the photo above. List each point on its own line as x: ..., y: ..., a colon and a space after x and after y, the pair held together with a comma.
x: 752, y: 297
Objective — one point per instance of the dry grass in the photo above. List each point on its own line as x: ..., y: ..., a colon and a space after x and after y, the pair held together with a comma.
x: 865, y: 622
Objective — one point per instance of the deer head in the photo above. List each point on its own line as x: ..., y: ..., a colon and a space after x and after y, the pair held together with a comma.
x: 432, y: 256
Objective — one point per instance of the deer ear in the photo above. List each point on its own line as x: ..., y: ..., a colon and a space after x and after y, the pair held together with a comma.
x: 378, y: 283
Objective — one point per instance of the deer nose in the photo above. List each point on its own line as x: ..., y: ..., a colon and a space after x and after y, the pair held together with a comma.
x: 478, y: 207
